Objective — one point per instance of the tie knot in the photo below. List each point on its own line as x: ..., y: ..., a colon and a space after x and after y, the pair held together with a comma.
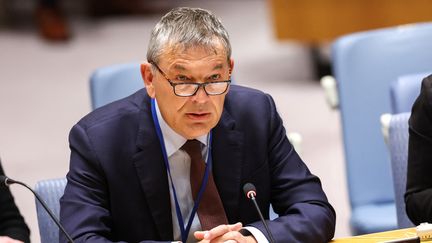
x: 193, y: 148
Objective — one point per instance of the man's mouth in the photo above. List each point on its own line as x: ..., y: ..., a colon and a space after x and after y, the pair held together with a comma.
x: 198, y: 115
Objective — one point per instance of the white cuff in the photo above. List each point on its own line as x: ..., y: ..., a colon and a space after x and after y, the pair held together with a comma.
x: 259, y: 236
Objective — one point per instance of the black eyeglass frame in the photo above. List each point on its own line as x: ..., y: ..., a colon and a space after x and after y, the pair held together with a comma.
x: 198, y: 85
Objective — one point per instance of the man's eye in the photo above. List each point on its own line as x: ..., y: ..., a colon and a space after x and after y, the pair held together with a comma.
x: 182, y: 78
x: 215, y: 77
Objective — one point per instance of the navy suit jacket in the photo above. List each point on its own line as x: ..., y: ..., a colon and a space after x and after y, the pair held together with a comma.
x: 118, y: 190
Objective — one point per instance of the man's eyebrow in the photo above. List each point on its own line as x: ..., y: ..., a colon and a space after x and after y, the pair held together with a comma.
x: 218, y: 66
x: 179, y: 67
x: 182, y: 68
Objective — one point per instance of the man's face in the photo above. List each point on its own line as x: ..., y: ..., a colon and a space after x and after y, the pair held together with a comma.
x: 195, y: 115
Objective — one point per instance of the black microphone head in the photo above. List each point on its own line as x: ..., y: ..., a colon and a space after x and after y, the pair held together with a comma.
x: 249, y: 190
x: 6, y: 181
x: 3, y: 182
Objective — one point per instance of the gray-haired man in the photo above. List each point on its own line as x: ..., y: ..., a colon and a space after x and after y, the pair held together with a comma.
x: 168, y: 163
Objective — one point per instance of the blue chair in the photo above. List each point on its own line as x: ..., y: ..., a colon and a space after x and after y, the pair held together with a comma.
x: 398, y: 146
x: 405, y: 90
x: 364, y: 65
x: 50, y: 191
x: 114, y: 82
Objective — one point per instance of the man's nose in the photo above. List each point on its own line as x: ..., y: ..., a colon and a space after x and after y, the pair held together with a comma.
x: 201, y: 95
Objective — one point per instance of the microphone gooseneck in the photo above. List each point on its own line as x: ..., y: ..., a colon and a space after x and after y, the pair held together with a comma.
x: 250, y: 192
x: 4, y: 180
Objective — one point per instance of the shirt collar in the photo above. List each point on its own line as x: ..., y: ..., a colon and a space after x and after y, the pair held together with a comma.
x: 173, y: 141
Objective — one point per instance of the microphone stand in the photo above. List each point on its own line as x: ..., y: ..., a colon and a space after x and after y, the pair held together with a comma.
x: 250, y: 192
x: 262, y: 219
x: 8, y: 182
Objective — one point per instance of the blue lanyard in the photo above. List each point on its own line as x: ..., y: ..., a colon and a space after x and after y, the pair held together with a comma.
x: 184, y: 231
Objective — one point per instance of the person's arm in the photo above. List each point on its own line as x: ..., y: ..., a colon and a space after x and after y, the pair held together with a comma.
x: 418, y: 197
x: 11, y: 222
x: 85, y: 205
x: 296, y: 194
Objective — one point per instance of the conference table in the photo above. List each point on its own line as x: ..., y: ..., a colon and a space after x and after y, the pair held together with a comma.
x: 380, y: 237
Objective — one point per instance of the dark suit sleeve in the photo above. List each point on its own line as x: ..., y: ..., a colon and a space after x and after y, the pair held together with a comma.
x: 418, y: 197
x: 85, y: 205
x: 296, y: 194
x: 11, y: 222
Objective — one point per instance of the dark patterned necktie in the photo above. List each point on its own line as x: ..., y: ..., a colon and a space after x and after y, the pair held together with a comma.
x: 210, y: 210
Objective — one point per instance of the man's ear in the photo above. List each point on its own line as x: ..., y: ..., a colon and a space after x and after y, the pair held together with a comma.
x: 147, y: 75
x: 231, y: 66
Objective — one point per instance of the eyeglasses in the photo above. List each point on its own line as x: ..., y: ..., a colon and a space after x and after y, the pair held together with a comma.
x: 187, y: 89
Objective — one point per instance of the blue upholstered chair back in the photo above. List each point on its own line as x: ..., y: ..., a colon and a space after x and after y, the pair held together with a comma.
x: 114, y: 82
x: 405, y: 90
x: 398, y: 145
x: 365, y: 64
x: 50, y: 191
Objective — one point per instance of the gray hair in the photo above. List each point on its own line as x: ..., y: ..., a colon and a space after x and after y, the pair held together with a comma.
x: 187, y: 27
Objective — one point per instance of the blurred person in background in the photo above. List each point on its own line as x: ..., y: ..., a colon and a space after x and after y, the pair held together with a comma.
x: 50, y: 17
x: 418, y: 197
x: 13, y: 229
x: 53, y: 24
x: 51, y: 21
x: 102, y: 8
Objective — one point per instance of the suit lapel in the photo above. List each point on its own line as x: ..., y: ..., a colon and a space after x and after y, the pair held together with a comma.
x: 152, y: 174
x: 227, y: 155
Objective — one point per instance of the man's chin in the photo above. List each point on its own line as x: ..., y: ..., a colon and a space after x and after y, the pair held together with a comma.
x: 196, y: 131
x: 194, y: 135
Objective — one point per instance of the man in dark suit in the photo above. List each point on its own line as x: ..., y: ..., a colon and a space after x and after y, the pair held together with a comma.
x: 418, y: 197
x: 132, y: 171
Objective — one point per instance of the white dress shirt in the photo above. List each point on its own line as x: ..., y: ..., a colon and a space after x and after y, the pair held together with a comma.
x: 179, y: 162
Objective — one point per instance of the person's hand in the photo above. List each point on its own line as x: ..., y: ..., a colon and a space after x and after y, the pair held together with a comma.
x: 6, y: 239
x: 224, y: 233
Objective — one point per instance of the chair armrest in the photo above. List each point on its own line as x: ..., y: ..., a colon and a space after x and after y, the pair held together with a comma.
x: 385, y: 126
x: 330, y: 90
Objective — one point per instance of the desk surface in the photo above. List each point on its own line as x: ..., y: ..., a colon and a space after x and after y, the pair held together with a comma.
x: 378, y: 237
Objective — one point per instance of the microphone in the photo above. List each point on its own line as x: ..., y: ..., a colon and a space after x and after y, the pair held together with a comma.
x: 4, y: 180
x: 250, y: 192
